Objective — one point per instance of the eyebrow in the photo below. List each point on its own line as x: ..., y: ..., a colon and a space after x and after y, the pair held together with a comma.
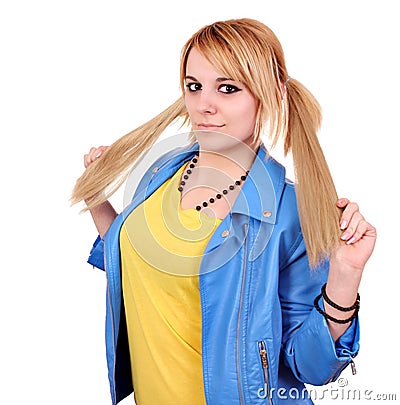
x: 219, y: 79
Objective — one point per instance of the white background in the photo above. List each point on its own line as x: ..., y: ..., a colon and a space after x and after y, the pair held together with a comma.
x: 79, y: 73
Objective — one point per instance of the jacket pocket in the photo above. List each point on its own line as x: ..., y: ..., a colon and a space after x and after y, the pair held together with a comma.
x: 265, y: 391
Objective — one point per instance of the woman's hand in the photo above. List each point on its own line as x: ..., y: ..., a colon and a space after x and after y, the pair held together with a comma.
x: 347, y: 263
x: 358, y: 237
x: 104, y: 214
x: 93, y: 154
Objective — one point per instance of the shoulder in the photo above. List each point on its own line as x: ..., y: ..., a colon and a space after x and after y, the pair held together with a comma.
x: 286, y: 198
x: 287, y: 211
x: 287, y: 215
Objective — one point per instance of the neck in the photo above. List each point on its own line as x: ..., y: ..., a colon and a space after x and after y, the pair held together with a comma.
x: 233, y: 161
x: 212, y: 180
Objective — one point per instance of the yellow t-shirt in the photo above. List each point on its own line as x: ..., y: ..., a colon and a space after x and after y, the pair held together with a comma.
x: 161, y: 248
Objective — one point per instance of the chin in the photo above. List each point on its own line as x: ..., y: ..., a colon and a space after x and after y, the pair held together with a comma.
x: 216, y: 141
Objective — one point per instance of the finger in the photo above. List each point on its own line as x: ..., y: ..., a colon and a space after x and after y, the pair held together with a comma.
x: 342, y: 202
x: 348, y: 212
x: 352, y: 226
x: 99, y: 151
x: 359, y: 231
x: 86, y: 161
x: 94, y: 153
x: 87, y: 157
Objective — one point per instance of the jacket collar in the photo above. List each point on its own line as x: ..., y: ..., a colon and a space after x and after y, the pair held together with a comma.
x: 262, y: 189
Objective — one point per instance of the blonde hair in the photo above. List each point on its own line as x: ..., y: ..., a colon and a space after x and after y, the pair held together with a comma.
x: 249, y: 52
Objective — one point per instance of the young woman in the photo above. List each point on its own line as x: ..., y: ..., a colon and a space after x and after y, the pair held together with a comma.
x: 227, y: 284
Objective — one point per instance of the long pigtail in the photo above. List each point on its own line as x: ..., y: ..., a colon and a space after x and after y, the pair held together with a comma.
x: 315, y: 190
x: 104, y: 176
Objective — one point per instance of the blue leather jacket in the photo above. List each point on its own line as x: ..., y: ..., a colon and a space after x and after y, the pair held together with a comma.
x: 261, y: 336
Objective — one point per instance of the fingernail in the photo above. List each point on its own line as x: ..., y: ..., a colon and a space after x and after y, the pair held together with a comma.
x: 345, y: 236
x: 349, y: 242
x: 343, y: 225
x: 98, y: 155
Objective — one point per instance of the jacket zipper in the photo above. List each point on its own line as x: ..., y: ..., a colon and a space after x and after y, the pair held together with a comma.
x: 353, y: 367
x: 262, y: 349
x: 239, y: 315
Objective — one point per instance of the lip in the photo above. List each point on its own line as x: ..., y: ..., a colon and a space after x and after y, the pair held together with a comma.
x: 208, y: 126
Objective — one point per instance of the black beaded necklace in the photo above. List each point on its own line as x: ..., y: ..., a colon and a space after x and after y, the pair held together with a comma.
x: 218, y: 195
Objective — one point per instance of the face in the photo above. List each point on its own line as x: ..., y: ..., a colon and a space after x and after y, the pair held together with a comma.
x: 217, y: 103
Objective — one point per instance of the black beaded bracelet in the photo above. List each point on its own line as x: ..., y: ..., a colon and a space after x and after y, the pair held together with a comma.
x: 331, y: 318
x: 356, y: 304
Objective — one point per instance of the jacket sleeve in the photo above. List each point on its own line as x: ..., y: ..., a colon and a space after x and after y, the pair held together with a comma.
x: 308, y: 348
x: 96, y: 256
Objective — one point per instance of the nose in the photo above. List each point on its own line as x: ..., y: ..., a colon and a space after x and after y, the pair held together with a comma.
x: 207, y: 103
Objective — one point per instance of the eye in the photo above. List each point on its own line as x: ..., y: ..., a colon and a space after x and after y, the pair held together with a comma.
x: 193, y: 86
x: 228, y: 88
